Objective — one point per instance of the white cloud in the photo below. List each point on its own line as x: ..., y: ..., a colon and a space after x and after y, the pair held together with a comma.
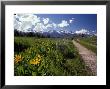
x: 54, y: 25
x: 82, y: 31
x: 70, y: 21
x: 16, y: 23
x: 29, y: 17
x: 25, y: 22
x: 63, y: 24
x: 48, y: 25
x: 93, y: 31
x: 39, y: 27
x: 25, y: 25
x: 73, y: 18
x: 31, y: 22
x: 45, y: 20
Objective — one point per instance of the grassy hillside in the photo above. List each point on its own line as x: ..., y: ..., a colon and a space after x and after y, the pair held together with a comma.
x: 47, y: 57
x: 89, y: 42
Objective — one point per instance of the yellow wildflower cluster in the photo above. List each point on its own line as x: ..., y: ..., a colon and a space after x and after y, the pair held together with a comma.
x: 18, y: 58
x: 36, y: 60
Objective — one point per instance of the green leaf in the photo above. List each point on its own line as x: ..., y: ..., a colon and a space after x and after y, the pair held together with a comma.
x: 33, y: 73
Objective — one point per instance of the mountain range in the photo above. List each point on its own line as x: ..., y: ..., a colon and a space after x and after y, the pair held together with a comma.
x: 60, y: 33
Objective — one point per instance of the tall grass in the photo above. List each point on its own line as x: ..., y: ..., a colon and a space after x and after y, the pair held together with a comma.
x: 90, y: 43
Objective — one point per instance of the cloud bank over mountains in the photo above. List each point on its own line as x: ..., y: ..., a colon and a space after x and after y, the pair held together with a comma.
x: 82, y: 31
x: 24, y: 22
x: 35, y: 23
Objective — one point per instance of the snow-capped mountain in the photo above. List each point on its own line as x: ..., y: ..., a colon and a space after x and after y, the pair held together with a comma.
x: 61, y: 33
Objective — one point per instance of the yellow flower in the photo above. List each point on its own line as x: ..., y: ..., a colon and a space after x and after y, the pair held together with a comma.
x: 36, y: 60
x: 18, y: 58
x: 39, y: 56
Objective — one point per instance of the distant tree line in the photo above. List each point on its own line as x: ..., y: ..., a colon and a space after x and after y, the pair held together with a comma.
x: 29, y: 34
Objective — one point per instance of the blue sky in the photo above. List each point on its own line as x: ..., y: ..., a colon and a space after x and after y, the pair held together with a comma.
x: 58, y: 22
x: 87, y: 21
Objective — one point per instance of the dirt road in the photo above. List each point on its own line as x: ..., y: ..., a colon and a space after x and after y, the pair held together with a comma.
x: 88, y: 56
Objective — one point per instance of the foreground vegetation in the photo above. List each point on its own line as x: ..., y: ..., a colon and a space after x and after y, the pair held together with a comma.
x: 47, y: 57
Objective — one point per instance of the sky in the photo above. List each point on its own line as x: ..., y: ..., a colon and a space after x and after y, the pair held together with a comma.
x: 77, y: 23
